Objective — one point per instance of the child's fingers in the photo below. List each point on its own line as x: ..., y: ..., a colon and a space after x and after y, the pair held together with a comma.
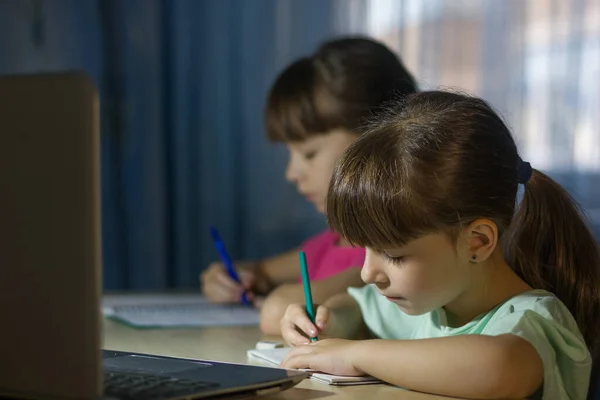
x: 218, y: 286
x: 322, y: 317
x: 225, y: 281
x: 295, y: 319
x: 297, y: 358
x: 226, y: 295
x: 291, y: 335
x: 297, y: 314
x: 247, y: 278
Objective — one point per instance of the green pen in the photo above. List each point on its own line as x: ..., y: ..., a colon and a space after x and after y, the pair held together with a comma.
x: 310, y: 310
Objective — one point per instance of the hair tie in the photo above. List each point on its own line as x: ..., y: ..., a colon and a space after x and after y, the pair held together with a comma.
x: 524, y: 171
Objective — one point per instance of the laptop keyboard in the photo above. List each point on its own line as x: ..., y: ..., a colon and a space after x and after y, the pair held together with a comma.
x: 135, y: 386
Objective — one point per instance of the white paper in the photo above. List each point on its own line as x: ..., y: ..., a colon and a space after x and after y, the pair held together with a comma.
x: 111, y: 300
x: 276, y: 357
x: 176, y: 311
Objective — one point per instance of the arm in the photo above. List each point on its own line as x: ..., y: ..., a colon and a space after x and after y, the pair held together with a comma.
x: 274, y: 271
x: 345, y: 318
x: 472, y: 366
x: 277, y: 302
x: 260, y: 276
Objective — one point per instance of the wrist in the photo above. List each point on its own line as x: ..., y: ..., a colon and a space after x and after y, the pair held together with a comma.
x: 361, y: 350
x: 262, y: 283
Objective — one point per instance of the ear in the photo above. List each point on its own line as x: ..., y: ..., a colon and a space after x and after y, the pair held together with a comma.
x: 479, y: 239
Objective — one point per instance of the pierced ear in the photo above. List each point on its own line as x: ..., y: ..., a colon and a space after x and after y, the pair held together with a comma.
x: 480, y: 240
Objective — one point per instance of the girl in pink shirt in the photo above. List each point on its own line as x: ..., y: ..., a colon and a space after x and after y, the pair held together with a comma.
x: 316, y: 107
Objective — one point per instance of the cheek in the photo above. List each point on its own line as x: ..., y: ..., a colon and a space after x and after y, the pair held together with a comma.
x: 424, y: 277
x: 443, y: 276
x: 409, y: 279
x: 322, y: 170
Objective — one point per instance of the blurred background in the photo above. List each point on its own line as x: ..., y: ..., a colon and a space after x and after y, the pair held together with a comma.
x: 183, y: 83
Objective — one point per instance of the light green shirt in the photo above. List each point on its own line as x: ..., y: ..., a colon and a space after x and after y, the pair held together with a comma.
x: 537, y: 316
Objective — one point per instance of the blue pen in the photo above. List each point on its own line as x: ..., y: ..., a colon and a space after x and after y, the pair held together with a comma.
x: 214, y: 233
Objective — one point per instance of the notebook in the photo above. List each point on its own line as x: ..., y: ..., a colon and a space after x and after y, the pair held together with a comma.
x: 276, y: 356
x: 176, y: 311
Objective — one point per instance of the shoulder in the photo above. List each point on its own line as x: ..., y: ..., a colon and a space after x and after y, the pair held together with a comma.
x: 540, y: 305
x: 535, y: 311
x: 325, y: 238
x: 544, y: 321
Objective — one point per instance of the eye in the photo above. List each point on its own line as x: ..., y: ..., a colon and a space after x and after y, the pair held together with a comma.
x: 393, y: 259
x: 310, y: 155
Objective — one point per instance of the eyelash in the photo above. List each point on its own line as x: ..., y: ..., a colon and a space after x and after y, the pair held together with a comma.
x: 393, y: 260
x: 310, y: 155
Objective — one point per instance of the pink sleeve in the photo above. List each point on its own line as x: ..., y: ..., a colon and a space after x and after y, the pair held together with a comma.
x: 315, y: 248
x: 319, y: 241
x: 325, y: 259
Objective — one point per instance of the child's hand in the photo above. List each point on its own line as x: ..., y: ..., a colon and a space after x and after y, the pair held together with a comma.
x: 296, y: 327
x: 219, y: 287
x: 332, y: 356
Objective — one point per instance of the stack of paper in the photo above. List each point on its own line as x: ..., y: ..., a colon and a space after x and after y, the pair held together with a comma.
x: 276, y: 356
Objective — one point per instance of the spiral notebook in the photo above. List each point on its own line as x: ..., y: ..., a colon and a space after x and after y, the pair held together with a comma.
x: 175, y: 311
x: 274, y: 357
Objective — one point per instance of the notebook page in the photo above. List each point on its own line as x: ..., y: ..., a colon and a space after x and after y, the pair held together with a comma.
x: 270, y: 356
x: 338, y: 380
x: 276, y: 357
x: 178, y: 311
x: 111, y: 300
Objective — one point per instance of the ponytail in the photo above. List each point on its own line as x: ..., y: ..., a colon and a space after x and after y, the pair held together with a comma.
x: 550, y: 247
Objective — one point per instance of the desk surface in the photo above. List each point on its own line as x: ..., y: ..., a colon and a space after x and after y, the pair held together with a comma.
x: 231, y: 344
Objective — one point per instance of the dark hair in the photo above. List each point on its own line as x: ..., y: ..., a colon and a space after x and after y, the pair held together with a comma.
x: 438, y: 161
x: 342, y: 83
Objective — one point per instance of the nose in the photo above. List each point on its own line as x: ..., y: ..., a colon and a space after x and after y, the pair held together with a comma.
x: 293, y: 171
x: 372, y: 271
x: 290, y: 173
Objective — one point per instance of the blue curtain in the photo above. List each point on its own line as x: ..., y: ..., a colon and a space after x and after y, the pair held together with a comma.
x: 182, y: 85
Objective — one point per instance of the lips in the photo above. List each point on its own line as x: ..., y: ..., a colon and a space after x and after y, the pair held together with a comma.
x: 394, y: 298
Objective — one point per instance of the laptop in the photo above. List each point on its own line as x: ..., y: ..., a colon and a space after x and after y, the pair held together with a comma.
x: 50, y: 263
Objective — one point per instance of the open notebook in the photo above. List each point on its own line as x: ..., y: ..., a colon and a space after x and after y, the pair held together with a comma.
x: 276, y: 356
x: 175, y: 311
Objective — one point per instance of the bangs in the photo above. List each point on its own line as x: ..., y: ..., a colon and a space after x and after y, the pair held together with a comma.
x: 368, y: 208
x: 298, y: 106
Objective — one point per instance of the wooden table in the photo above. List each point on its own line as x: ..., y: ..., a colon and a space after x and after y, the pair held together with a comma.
x: 231, y: 344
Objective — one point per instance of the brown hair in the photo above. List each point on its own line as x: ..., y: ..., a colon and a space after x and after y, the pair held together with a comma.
x: 437, y: 162
x: 339, y: 85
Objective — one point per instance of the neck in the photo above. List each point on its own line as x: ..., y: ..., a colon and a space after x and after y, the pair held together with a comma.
x: 493, y: 283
